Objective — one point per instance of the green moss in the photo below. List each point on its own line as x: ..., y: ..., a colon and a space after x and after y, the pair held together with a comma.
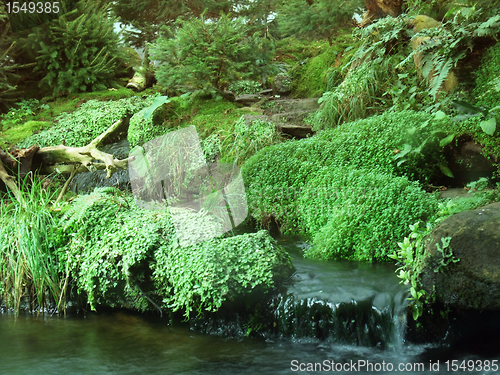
x: 292, y: 51
x: 309, y: 79
x: 17, y: 133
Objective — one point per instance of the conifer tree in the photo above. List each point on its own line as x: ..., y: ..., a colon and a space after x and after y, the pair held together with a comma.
x: 207, y: 54
x: 77, y: 51
x: 6, y: 67
x: 315, y: 18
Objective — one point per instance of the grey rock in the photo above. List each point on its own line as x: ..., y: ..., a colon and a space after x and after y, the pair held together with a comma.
x: 474, y: 281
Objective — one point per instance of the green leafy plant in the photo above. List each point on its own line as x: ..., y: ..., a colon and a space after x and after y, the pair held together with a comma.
x: 121, y: 255
x: 245, y: 86
x: 427, y: 138
x: 411, y: 255
x: 352, y: 98
x: 357, y: 213
x: 488, y: 125
x: 487, y: 90
x: 442, y: 48
x: 24, y: 109
x: 247, y: 139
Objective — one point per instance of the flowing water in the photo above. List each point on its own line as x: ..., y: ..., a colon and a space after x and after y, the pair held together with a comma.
x: 356, y: 310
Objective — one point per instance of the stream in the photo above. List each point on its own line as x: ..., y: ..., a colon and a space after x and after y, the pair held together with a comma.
x: 366, y: 297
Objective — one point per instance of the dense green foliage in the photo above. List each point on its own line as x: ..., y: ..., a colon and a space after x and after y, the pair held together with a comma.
x: 287, y: 193
x: 247, y: 139
x: 146, y: 126
x: 77, y: 51
x: 118, y: 254
x: 208, y: 55
x: 92, y: 118
x: 382, y: 72
x: 28, y: 266
x: 487, y: 90
x: 359, y: 214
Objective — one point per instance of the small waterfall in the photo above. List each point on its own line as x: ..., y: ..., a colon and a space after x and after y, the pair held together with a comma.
x: 341, y: 302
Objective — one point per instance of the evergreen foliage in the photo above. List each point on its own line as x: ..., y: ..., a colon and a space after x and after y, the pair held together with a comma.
x: 208, y: 54
x: 147, y: 17
x: 6, y: 67
x: 319, y: 18
x: 78, y: 51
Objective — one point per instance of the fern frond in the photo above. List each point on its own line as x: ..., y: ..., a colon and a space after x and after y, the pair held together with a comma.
x: 442, y: 67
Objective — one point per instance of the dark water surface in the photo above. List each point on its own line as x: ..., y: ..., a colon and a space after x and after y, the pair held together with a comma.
x: 127, y: 343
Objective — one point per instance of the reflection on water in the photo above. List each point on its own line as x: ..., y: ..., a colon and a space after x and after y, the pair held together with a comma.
x: 122, y: 343
x: 126, y: 343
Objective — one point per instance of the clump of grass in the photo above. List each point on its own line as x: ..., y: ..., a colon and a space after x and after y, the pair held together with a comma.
x: 28, y: 267
x: 247, y: 139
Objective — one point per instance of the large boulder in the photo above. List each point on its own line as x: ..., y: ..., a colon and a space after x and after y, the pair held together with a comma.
x: 474, y: 281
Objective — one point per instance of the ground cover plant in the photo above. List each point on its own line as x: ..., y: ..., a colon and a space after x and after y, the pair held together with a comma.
x: 92, y: 118
x: 301, y: 202
x: 28, y: 265
x: 120, y: 255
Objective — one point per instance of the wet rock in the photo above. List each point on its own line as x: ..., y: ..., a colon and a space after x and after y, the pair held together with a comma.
x: 473, y: 283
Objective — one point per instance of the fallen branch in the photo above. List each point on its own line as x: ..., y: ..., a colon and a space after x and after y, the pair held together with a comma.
x: 51, y: 157
x: 62, y: 159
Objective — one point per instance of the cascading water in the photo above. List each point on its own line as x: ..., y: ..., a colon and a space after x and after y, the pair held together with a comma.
x: 340, y: 302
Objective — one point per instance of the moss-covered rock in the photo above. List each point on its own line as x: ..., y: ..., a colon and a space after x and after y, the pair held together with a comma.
x: 310, y: 77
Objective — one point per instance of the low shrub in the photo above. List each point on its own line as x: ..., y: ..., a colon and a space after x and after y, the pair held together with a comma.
x: 78, y: 128
x: 359, y: 214
x: 247, y: 139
